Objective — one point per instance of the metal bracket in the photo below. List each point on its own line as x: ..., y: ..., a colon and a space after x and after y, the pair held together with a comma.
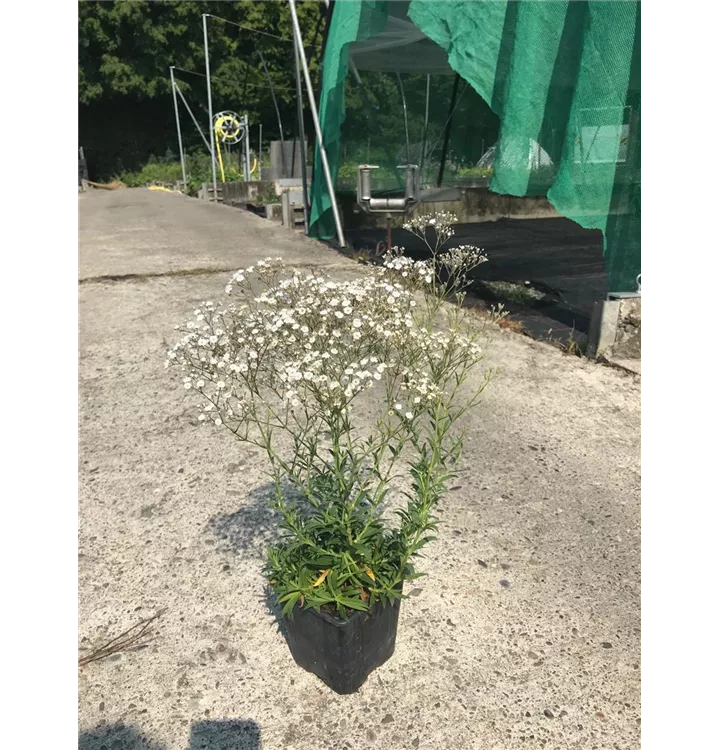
x: 403, y: 205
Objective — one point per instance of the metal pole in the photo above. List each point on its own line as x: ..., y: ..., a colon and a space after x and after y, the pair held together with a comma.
x: 179, y: 130
x: 426, y: 128
x: 247, y: 161
x: 315, y: 117
x: 194, y: 119
x: 302, y: 144
x: 447, y: 132
x: 406, y: 120
x: 276, y: 109
x: 209, y: 106
x: 260, y: 152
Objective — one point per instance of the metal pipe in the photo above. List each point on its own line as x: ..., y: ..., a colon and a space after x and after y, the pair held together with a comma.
x: 406, y: 120
x: 179, y: 130
x: 302, y: 142
x: 276, y: 109
x: 426, y: 129
x: 247, y: 161
x: 194, y: 119
x: 209, y: 106
x: 315, y: 117
x: 447, y: 132
x: 260, y: 152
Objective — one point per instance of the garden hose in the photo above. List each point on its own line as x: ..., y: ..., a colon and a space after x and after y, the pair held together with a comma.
x: 217, y: 131
x: 227, y: 128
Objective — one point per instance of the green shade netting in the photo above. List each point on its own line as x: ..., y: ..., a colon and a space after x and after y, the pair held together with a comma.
x: 562, y: 76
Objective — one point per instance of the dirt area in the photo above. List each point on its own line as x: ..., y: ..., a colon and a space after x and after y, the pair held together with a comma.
x: 526, y: 631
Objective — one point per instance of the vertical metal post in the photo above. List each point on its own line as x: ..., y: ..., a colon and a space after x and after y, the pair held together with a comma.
x: 209, y: 106
x: 447, y: 132
x: 315, y: 117
x: 406, y: 119
x: 276, y: 109
x: 260, y: 152
x: 302, y: 143
x: 425, y: 131
x: 247, y: 160
x: 179, y: 130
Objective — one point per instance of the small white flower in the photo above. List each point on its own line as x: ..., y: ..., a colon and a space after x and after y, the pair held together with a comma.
x: 409, y: 415
x: 218, y: 421
x: 398, y: 407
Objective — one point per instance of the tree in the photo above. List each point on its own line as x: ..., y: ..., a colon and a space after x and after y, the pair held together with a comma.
x: 126, y: 48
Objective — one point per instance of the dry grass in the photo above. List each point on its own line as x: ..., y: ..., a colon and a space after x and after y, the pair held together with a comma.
x: 511, y: 325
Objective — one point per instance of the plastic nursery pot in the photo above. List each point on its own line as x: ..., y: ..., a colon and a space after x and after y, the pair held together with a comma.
x: 342, y: 653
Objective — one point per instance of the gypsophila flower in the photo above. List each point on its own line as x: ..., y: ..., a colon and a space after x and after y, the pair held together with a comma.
x: 342, y: 384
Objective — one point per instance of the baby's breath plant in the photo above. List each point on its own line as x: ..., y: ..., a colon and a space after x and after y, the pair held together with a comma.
x: 347, y: 386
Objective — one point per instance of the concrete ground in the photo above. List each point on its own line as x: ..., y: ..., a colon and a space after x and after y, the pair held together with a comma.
x: 526, y: 631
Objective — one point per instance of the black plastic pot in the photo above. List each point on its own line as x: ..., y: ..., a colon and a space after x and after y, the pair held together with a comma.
x: 342, y: 653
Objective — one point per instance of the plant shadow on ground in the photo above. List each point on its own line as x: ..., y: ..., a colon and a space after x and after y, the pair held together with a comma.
x: 274, y: 608
x: 230, y: 734
x: 248, y: 530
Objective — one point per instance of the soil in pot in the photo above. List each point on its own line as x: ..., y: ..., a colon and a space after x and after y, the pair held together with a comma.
x: 342, y: 653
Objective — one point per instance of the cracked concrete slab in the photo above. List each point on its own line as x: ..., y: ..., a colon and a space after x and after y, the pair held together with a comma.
x: 526, y: 631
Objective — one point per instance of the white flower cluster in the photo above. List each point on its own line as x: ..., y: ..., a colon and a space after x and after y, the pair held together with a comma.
x: 414, y: 273
x: 265, y: 271
x: 309, y: 345
x: 419, y: 393
x: 460, y: 259
x: 440, y: 221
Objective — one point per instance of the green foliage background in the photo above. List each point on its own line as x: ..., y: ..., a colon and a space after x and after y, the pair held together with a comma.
x: 126, y: 47
x: 126, y: 115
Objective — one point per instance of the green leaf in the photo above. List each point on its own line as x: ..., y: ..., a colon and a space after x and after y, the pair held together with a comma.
x: 290, y: 600
x: 353, y: 603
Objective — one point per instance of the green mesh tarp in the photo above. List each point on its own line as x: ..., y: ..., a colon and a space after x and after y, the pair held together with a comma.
x: 562, y: 77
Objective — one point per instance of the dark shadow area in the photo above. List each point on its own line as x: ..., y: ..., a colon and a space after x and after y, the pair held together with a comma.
x: 275, y: 609
x: 251, y: 528
x: 254, y: 526
x: 230, y: 734
x: 117, y: 737
x: 555, y: 256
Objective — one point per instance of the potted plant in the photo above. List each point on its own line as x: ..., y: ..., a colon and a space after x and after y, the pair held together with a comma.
x: 350, y: 388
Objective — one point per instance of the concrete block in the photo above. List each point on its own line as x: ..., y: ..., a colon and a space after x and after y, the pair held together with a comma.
x: 273, y: 211
x: 295, y: 196
x: 627, y: 344
x: 237, y: 193
x: 285, y: 168
x: 603, y: 327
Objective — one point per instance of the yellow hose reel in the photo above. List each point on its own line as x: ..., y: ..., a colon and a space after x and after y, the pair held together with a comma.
x: 229, y: 130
